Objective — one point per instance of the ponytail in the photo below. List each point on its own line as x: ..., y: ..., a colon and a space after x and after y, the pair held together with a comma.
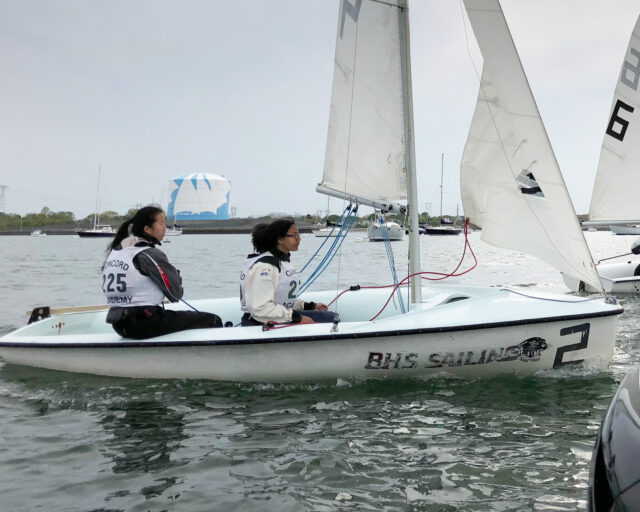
x: 135, y: 225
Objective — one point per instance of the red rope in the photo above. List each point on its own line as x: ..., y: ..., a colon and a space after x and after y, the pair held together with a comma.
x: 423, y: 275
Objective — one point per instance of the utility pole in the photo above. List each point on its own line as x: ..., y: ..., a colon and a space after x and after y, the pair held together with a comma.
x: 3, y: 188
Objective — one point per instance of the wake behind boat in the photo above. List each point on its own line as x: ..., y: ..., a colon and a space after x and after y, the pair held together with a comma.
x: 448, y: 329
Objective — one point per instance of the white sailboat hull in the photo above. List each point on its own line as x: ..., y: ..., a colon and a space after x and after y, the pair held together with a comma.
x: 328, y: 232
x: 617, y: 277
x: 461, y: 331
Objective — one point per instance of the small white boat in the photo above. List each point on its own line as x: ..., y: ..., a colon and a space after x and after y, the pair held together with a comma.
x: 173, y: 231
x: 624, y: 229
x: 619, y: 276
x: 38, y: 232
x: 379, y: 231
x: 98, y: 230
x: 444, y: 329
x: 329, y: 231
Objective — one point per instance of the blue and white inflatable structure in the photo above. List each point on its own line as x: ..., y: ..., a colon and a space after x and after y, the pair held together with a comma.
x: 199, y: 196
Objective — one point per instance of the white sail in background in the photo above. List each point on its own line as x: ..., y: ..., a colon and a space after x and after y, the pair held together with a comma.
x: 510, y: 180
x: 365, y: 154
x: 615, y: 191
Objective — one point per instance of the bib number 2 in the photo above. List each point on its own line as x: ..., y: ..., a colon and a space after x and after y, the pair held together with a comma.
x: 293, y: 290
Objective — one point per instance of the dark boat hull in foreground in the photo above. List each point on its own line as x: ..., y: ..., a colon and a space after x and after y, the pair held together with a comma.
x: 614, y: 479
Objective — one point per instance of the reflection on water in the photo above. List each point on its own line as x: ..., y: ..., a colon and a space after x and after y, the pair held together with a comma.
x: 504, y: 443
x: 145, y: 434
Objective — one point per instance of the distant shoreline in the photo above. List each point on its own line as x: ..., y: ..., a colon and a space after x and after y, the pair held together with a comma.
x: 185, y: 231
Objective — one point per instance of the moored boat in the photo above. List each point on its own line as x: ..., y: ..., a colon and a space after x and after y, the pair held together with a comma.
x: 98, y: 231
x: 441, y: 230
x: 380, y: 230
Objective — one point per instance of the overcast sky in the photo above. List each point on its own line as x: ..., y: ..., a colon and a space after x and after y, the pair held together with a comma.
x: 152, y: 89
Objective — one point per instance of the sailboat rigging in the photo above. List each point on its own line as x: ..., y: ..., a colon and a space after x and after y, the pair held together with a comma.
x: 445, y: 228
x: 98, y: 230
x: 370, y: 160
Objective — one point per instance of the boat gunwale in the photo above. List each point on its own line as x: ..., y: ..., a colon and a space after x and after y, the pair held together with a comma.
x: 298, y: 339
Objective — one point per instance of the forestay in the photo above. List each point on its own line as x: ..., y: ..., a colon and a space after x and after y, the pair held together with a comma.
x: 617, y: 181
x: 510, y: 180
x: 365, y: 154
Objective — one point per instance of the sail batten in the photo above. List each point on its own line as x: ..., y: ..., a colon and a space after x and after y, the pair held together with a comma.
x: 618, y: 178
x: 511, y: 183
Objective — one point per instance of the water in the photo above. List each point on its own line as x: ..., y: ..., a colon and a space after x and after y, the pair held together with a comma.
x: 84, y: 443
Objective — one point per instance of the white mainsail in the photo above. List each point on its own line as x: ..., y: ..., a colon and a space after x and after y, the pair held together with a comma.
x: 365, y: 154
x: 615, y: 191
x: 510, y: 180
x: 370, y: 154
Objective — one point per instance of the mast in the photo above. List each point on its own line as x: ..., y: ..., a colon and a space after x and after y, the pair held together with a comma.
x: 441, y: 183
x: 95, y: 212
x: 410, y: 154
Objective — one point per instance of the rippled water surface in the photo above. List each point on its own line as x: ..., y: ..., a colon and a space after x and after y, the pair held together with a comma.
x: 81, y: 443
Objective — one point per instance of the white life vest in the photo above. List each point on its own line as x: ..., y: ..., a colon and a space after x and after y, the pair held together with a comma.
x: 248, y: 263
x: 288, y: 284
x: 123, y: 285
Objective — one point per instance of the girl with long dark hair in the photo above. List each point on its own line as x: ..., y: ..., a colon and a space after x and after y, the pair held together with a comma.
x: 269, y: 283
x: 136, y: 278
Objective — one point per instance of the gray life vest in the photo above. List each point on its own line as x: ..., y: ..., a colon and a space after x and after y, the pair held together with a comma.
x: 123, y: 285
x: 288, y: 284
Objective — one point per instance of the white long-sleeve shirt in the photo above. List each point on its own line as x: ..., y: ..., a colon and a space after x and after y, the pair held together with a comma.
x: 260, y: 288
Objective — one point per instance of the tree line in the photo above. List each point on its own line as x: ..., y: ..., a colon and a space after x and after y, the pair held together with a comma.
x: 61, y: 220
x: 47, y: 218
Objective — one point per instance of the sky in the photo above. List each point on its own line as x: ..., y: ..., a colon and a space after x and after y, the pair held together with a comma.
x: 153, y: 89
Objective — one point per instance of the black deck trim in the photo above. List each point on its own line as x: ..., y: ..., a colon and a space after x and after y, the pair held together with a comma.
x: 299, y: 339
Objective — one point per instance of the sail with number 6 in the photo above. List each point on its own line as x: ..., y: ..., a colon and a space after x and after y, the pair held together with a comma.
x: 615, y: 191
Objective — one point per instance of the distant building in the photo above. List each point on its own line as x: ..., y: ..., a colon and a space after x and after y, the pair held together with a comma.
x: 198, y: 196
